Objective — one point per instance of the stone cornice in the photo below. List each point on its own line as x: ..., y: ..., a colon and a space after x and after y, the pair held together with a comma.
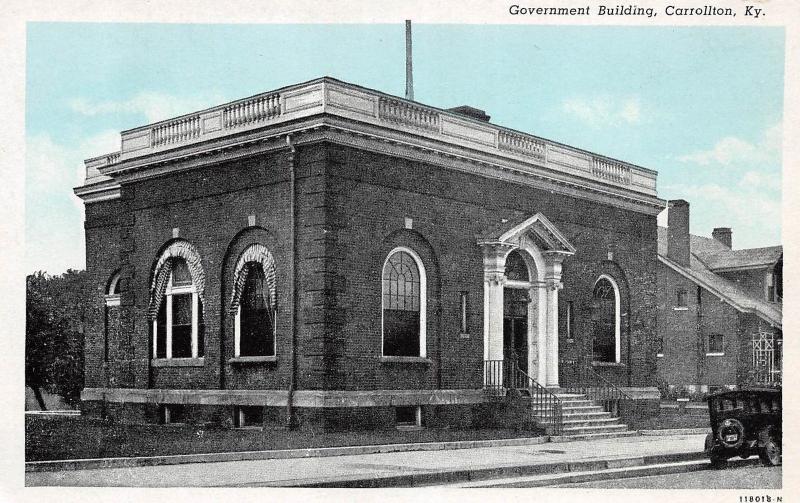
x: 98, y: 191
x: 359, y: 112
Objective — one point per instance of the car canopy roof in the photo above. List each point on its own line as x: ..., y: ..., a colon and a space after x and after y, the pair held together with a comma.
x: 748, y: 391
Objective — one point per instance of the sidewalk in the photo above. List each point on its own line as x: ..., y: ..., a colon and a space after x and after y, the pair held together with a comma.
x: 400, y: 469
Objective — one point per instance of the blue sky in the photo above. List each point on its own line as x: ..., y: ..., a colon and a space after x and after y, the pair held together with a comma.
x: 702, y: 106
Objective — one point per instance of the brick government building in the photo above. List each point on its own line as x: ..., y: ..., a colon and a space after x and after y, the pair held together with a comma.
x: 339, y: 257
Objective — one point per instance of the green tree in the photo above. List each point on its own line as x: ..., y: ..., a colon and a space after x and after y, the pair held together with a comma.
x: 58, y: 308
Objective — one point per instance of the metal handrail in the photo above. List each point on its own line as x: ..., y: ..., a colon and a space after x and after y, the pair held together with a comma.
x: 599, y: 389
x: 544, y: 404
x: 503, y: 375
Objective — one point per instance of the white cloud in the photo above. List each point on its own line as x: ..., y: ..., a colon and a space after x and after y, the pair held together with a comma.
x: 54, y: 215
x: 154, y: 106
x: 753, y: 210
x: 604, y: 111
x: 52, y: 167
x: 731, y: 150
x: 761, y: 180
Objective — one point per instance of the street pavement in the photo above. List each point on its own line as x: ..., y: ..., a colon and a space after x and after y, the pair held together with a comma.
x: 751, y: 477
x: 307, y: 471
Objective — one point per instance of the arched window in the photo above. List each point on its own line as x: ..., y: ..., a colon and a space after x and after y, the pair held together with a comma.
x: 178, y: 325
x: 111, y: 315
x: 255, y: 323
x: 403, y: 299
x: 516, y: 268
x: 606, y: 321
x: 254, y: 302
x: 112, y: 292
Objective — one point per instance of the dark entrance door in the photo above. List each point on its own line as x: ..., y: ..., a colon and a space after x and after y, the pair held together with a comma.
x: 515, y: 326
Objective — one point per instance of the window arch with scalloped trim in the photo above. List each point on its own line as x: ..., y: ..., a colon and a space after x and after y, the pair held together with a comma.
x: 176, y: 303
x: 254, y: 303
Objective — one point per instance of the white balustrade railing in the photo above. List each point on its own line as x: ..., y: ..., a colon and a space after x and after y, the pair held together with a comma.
x: 611, y: 171
x: 176, y: 131
x: 520, y: 143
x: 250, y: 111
x: 410, y: 115
x: 394, y: 113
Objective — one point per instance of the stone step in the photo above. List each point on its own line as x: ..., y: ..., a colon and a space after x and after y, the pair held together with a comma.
x: 593, y: 436
x: 580, y: 409
x: 582, y: 430
x: 608, y: 421
x: 577, y: 416
x: 566, y: 397
x: 585, y: 415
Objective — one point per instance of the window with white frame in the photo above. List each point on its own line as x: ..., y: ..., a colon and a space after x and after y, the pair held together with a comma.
x: 606, y: 321
x: 681, y: 296
x: 112, y: 317
x: 403, y: 304
x: 715, y: 345
x: 178, y: 326
x: 771, y: 281
x: 112, y: 292
x: 255, y: 319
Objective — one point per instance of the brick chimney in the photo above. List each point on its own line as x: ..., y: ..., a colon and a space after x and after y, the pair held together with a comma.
x: 723, y: 235
x: 678, y: 225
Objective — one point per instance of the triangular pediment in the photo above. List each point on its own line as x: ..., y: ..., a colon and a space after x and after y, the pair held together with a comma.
x: 541, y: 230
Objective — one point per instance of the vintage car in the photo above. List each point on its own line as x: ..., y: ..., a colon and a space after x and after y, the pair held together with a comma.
x: 745, y: 422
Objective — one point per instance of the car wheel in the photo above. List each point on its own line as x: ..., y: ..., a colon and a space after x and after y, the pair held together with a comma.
x: 770, y: 453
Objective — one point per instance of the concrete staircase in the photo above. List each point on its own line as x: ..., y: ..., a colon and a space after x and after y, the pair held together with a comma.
x: 583, y: 419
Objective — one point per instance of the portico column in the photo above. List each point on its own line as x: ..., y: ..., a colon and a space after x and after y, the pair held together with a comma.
x: 494, y: 279
x: 553, y: 285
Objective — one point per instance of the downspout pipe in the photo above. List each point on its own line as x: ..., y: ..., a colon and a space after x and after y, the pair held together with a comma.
x: 290, y: 419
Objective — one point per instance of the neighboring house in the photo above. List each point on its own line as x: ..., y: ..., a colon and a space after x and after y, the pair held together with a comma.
x: 351, y: 258
x: 720, y: 309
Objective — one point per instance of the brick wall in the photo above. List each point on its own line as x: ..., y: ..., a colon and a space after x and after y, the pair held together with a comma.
x: 373, y: 194
x: 684, y: 333
x: 351, y: 207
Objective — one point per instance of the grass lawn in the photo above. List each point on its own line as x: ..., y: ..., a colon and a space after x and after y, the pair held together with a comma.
x: 50, y: 438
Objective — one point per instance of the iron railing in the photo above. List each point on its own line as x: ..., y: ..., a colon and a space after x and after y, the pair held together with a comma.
x: 599, y: 389
x: 545, y: 407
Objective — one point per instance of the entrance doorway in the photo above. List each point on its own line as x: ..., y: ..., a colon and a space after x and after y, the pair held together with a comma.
x: 515, y: 326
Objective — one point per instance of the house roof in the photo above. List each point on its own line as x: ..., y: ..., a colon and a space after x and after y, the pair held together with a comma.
x: 703, y: 275
x: 751, y: 258
x: 718, y: 257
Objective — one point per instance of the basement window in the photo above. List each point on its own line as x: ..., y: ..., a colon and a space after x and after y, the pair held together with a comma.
x: 408, y: 417
x: 248, y: 417
x: 173, y: 414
